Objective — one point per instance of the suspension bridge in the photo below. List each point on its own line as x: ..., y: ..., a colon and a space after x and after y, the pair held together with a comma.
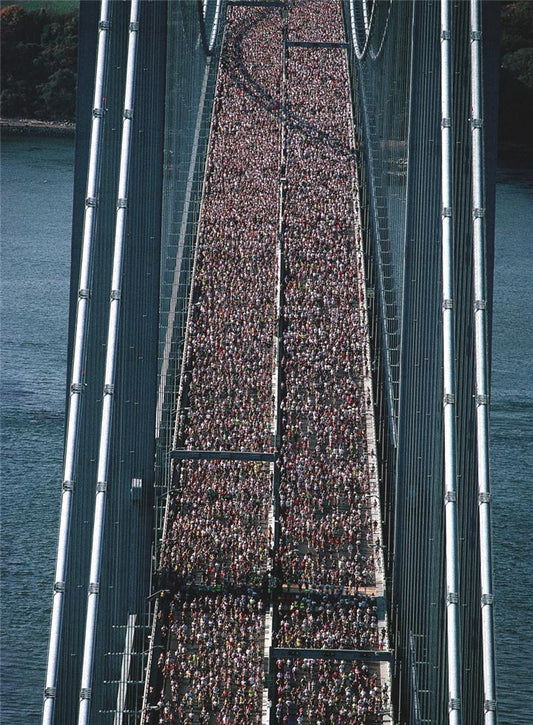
x: 276, y: 495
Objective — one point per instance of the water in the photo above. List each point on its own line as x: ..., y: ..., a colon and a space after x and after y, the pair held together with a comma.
x: 37, y: 176
x: 512, y: 444
x: 36, y: 209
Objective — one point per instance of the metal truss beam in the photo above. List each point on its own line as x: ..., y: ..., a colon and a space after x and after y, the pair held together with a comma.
x: 183, y: 454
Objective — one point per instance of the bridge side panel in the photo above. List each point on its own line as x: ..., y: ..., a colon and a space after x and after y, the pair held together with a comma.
x: 396, y: 67
x: 191, y: 76
x: 77, y: 579
x: 419, y: 542
x: 126, y: 569
x: 127, y: 535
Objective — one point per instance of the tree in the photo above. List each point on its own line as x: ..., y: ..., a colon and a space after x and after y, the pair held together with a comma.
x: 39, y: 55
x: 516, y: 74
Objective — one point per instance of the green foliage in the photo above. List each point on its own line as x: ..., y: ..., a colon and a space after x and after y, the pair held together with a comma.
x: 39, y: 47
x: 519, y: 64
x: 56, y: 7
x: 517, y: 26
x: 38, y: 56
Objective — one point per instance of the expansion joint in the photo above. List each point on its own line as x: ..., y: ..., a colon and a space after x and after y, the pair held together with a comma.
x: 490, y: 705
x: 485, y: 497
x: 68, y: 485
x: 454, y: 704
x: 49, y: 691
x: 85, y: 693
x: 450, y: 496
x: 452, y: 598
x: 487, y: 599
x: 59, y: 587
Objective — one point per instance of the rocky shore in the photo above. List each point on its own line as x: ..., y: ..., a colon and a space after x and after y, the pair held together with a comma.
x: 29, y: 126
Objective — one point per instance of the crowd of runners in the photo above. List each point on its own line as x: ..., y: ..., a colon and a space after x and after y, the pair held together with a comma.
x: 311, y: 691
x: 222, y: 563
x: 325, y: 498
x: 329, y: 622
x: 213, y: 664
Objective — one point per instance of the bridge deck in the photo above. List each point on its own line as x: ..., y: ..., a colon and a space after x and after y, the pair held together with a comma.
x: 272, y: 554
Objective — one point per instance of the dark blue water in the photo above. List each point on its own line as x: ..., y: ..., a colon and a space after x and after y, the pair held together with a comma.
x: 36, y: 190
x: 35, y: 229
x: 512, y: 444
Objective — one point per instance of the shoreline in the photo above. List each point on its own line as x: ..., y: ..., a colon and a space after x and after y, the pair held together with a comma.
x: 519, y: 155
x: 33, y: 127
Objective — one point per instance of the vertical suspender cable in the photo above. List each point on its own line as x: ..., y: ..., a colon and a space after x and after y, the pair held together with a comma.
x: 482, y: 398
x: 185, y: 221
x: 109, y: 382
x: 77, y: 374
x: 450, y: 475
